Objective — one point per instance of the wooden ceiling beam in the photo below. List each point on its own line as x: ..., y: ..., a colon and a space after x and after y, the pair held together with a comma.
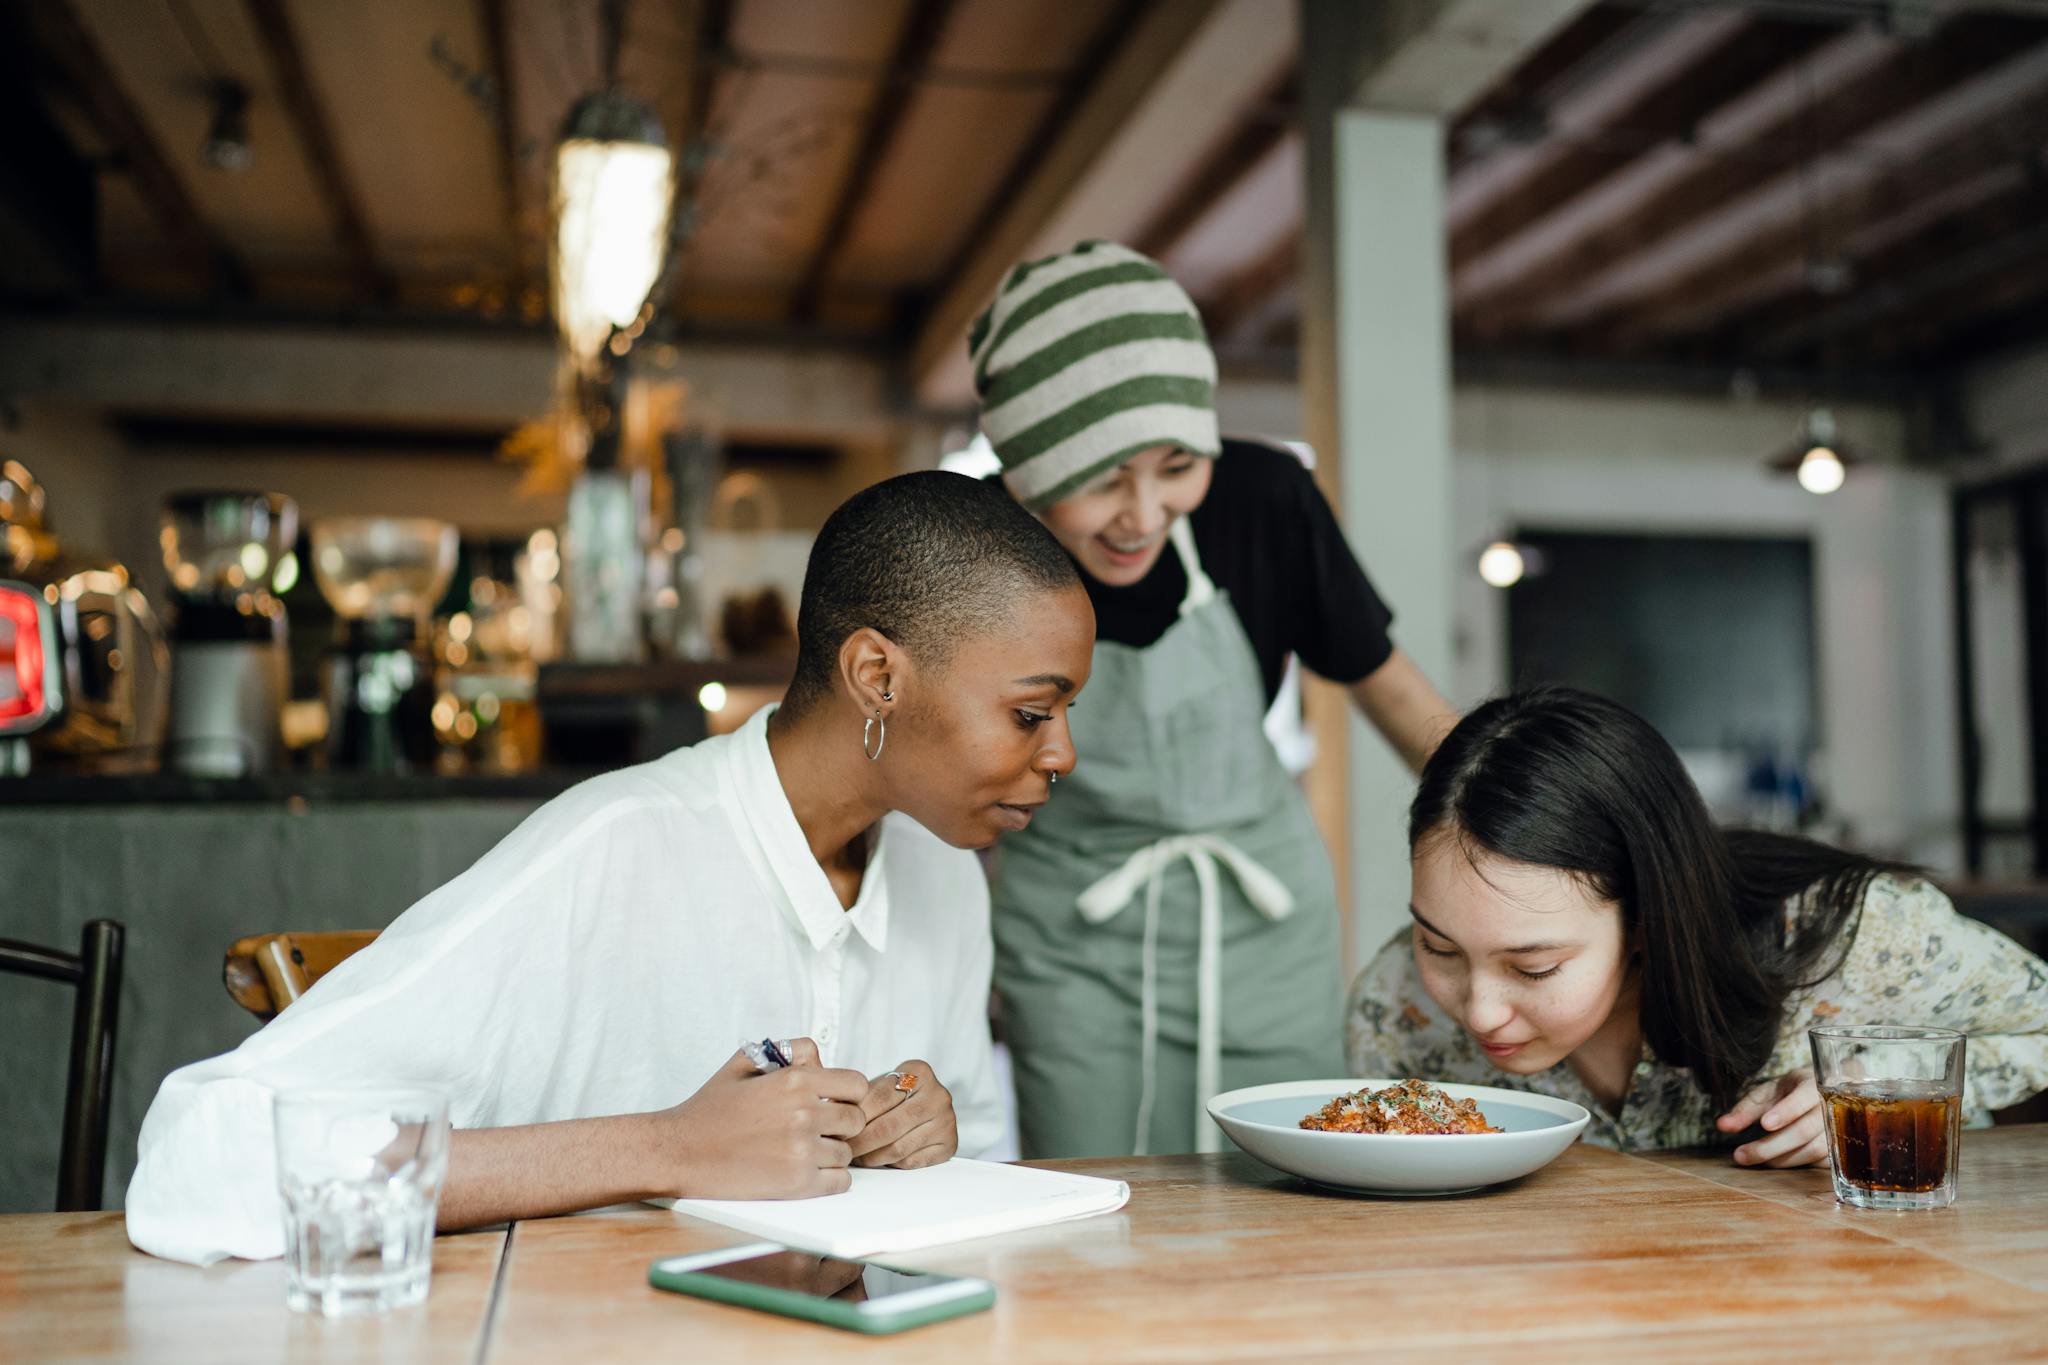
x: 1932, y: 170
x: 1434, y: 57
x: 713, y: 38
x: 1244, y: 295
x: 1930, y: 300
x: 1032, y: 157
x: 49, y: 193
x: 494, y: 18
x: 2008, y: 310
x: 294, y: 86
x: 695, y: 141
x: 1667, y: 112
x: 1960, y: 49
x: 1112, y: 102
x: 1904, y: 256
x: 915, y: 44
x: 71, y: 49
x: 1518, y: 103
x: 1266, y: 126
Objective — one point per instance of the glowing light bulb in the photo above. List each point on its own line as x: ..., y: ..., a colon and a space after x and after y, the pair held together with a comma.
x: 611, y: 233
x: 1501, y: 564
x: 711, y: 696
x: 1821, y: 471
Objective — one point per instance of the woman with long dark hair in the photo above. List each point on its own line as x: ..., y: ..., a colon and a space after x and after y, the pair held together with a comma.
x: 1583, y: 929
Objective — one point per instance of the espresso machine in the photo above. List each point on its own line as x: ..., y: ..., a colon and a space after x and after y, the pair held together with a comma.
x: 230, y: 673
x: 382, y: 576
x: 83, y: 667
x: 31, y: 672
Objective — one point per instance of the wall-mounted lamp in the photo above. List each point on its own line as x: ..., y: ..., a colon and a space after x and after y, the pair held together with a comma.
x: 1505, y: 563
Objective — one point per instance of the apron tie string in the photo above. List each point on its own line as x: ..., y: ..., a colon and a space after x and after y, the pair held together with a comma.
x: 1201, y: 588
x: 1108, y: 897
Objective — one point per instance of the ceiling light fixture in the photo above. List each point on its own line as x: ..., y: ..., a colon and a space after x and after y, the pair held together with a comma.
x: 227, y: 137
x: 1501, y: 564
x: 1818, y: 458
x: 1821, y: 471
x: 614, y: 191
x: 1505, y: 563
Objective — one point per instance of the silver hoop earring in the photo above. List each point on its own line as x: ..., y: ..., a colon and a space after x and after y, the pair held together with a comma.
x: 880, y: 740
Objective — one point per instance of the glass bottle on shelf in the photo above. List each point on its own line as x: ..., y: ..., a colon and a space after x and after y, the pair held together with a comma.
x: 603, y: 561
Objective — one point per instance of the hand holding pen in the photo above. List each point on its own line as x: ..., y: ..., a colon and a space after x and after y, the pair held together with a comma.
x: 779, y: 1134
x: 770, y: 1054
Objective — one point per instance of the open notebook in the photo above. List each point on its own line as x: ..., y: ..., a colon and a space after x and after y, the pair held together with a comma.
x: 892, y: 1211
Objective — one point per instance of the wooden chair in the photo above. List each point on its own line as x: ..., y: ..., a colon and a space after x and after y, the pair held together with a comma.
x: 95, y: 973
x: 266, y: 972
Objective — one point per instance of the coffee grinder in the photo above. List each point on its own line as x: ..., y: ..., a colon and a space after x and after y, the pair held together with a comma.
x: 229, y: 672
x: 382, y: 576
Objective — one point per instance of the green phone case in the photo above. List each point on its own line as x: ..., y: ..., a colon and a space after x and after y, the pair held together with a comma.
x: 832, y: 1312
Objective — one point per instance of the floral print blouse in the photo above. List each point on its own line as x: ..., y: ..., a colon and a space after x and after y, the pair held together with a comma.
x: 1912, y: 960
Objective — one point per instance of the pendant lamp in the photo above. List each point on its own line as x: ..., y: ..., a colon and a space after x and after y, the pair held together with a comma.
x: 1818, y: 459
x: 614, y: 192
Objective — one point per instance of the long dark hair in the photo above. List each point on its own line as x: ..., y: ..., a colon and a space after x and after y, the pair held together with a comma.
x: 1562, y: 778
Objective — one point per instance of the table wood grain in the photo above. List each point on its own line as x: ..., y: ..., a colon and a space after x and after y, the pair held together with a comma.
x: 72, y: 1289
x: 1998, y: 1224
x: 1673, y: 1256
x: 1599, y: 1256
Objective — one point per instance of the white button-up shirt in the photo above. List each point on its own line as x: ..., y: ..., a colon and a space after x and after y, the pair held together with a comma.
x: 606, y: 958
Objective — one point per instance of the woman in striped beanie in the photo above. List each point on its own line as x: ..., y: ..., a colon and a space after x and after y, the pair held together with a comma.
x: 1167, y: 928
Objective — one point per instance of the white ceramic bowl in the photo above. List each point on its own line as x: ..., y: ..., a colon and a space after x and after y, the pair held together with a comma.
x: 1265, y: 1120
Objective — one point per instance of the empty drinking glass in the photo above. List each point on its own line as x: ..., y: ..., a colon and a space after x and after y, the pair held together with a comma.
x: 361, y: 1173
x: 1892, y: 1098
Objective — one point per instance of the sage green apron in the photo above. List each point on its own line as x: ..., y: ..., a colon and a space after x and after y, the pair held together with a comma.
x: 1166, y: 928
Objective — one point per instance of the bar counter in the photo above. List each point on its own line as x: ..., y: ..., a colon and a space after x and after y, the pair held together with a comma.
x: 166, y: 789
x: 188, y: 866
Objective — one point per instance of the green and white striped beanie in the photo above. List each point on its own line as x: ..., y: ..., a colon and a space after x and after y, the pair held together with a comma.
x: 1083, y: 360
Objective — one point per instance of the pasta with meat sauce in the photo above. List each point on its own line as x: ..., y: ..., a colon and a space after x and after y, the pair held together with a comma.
x: 1410, y: 1107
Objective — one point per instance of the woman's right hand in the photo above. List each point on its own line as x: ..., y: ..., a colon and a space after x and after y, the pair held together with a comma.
x: 753, y: 1135
x: 1788, y: 1110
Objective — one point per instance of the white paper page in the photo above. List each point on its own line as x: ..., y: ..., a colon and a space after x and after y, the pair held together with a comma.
x: 889, y: 1211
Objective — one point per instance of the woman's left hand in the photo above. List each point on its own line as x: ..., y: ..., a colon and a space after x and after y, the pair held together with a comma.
x: 1788, y: 1110
x: 907, y: 1129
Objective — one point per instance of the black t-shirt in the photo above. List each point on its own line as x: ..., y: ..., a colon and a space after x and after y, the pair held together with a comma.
x: 1268, y: 538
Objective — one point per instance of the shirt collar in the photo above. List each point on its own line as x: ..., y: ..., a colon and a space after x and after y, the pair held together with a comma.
x: 807, y: 894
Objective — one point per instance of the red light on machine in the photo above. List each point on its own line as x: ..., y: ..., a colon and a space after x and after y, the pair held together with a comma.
x: 28, y: 693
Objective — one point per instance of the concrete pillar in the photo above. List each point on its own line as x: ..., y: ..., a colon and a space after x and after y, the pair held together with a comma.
x: 1375, y: 375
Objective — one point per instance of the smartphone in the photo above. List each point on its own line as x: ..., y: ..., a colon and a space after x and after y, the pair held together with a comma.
x: 857, y: 1295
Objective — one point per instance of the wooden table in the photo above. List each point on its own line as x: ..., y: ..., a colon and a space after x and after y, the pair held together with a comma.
x: 1599, y: 1256
x: 72, y: 1289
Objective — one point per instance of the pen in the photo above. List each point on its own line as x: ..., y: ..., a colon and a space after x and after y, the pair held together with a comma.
x: 767, y: 1055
